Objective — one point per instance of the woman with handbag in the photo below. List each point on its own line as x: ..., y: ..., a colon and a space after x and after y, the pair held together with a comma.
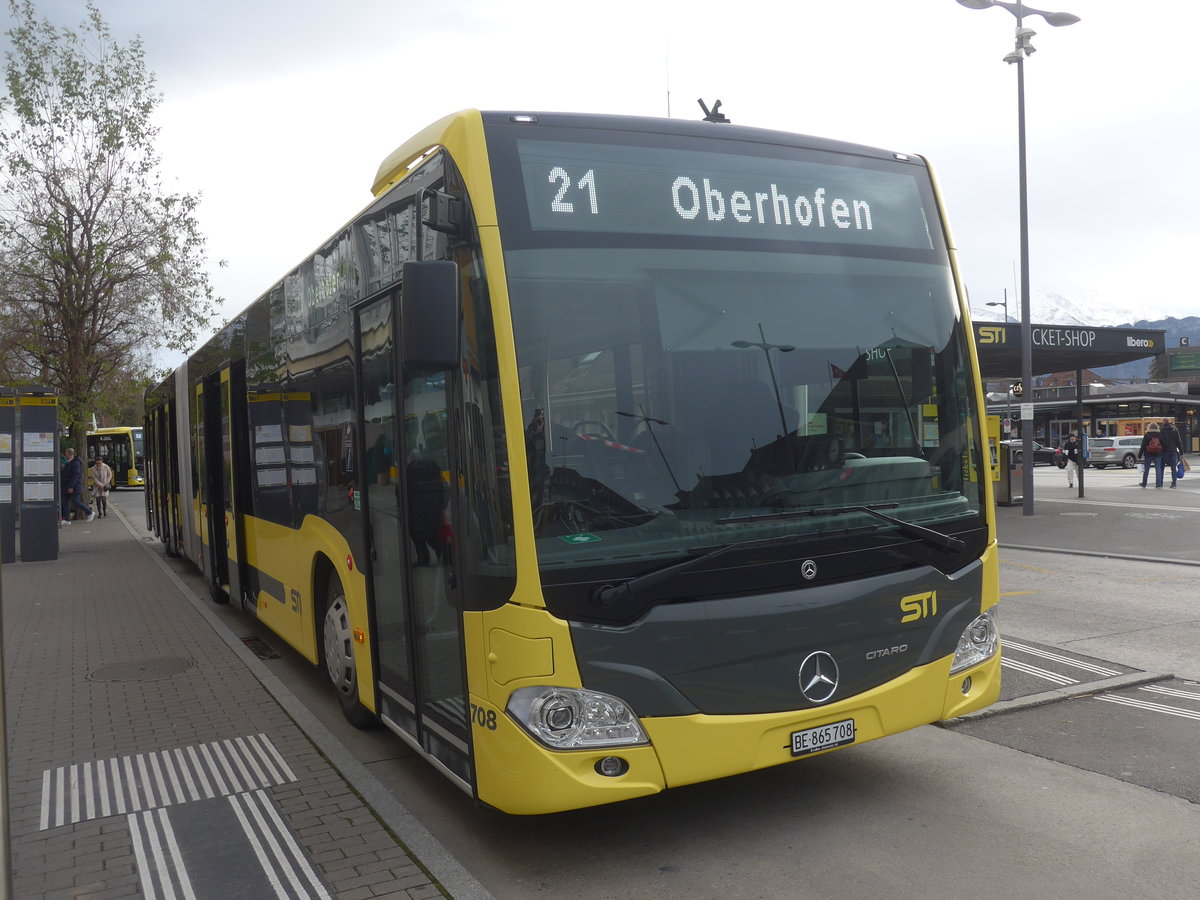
x: 102, y: 479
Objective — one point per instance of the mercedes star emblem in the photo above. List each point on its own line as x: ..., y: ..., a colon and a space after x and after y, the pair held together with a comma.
x: 818, y: 676
x: 808, y: 569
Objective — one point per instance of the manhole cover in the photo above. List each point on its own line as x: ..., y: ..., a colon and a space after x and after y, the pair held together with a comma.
x: 142, y: 669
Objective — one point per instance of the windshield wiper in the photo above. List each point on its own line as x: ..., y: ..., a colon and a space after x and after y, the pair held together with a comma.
x: 608, y: 594
x: 929, y: 535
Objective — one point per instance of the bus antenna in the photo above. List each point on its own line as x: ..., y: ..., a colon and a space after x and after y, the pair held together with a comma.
x: 715, y: 115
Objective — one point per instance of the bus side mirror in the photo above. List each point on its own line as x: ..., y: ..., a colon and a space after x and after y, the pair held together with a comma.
x: 429, y: 315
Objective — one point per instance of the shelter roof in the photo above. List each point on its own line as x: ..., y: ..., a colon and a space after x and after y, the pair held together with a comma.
x: 1062, y: 348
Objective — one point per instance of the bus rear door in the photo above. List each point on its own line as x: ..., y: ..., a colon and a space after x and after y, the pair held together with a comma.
x: 221, y: 447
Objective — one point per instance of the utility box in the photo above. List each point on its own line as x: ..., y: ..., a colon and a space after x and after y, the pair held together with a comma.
x: 38, y: 472
x: 1012, y: 474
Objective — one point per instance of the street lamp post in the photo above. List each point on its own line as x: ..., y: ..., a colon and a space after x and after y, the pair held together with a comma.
x: 766, y: 349
x: 1023, y: 49
x: 1003, y: 303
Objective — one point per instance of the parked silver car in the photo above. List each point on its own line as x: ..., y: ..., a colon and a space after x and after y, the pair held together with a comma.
x: 1120, y: 451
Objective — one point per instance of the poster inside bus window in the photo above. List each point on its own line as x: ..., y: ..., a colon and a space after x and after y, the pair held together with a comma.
x: 268, y: 434
x: 269, y: 456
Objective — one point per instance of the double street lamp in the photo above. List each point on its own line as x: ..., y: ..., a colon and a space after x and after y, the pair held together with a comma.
x: 1022, y: 49
x: 766, y: 349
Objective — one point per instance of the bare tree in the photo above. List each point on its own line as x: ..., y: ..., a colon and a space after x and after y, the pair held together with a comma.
x: 100, y: 262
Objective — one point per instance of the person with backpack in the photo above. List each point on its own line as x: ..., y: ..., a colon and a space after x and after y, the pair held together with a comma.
x: 1172, y: 448
x: 1151, y: 452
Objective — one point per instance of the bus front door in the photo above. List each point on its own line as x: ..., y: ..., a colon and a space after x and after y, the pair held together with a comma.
x: 404, y: 490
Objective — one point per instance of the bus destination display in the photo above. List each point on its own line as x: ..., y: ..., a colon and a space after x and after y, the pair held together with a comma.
x: 615, y: 189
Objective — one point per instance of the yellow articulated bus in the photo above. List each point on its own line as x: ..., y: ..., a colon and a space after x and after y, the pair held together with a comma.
x: 121, y: 448
x: 601, y: 455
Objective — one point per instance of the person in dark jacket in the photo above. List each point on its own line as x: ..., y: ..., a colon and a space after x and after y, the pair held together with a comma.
x: 72, y: 487
x: 1172, y: 447
x: 1074, y: 454
x: 427, y: 494
x: 1151, y: 452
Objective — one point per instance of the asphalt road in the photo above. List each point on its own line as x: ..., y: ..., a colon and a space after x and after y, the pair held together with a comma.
x: 1068, y: 793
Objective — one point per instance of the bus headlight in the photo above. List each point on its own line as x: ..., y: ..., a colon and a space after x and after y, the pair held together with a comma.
x: 574, y: 719
x: 978, y: 642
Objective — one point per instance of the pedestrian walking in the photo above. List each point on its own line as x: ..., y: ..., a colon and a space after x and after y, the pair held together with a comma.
x: 1074, y: 455
x: 1151, y: 454
x: 1172, y: 448
x: 102, y: 479
x: 72, y: 487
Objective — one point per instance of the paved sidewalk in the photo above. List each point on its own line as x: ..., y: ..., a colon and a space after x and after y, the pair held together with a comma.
x: 149, y: 756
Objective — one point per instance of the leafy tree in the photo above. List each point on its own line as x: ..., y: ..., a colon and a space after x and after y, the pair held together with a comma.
x: 98, y: 262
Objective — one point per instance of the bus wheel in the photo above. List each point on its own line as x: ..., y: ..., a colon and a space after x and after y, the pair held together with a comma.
x: 338, y: 644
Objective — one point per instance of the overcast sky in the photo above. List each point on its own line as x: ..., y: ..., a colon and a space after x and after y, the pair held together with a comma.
x: 279, y: 113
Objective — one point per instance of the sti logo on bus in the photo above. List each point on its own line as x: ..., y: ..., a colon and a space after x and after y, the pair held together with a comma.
x: 991, y: 334
x: 918, y: 606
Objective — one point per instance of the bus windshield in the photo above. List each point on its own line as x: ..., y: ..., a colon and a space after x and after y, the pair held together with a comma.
x: 774, y: 346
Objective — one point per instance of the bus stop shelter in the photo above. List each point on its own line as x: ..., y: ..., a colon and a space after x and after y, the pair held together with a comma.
x: 1062, y: 348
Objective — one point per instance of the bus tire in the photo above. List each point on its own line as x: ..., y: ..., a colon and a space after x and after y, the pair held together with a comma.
x: 337, y: 652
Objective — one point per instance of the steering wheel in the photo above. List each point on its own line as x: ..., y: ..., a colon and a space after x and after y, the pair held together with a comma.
x: 593, y: 427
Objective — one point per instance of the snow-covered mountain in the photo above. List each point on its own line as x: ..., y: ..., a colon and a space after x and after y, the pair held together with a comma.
x: 1049, y: 308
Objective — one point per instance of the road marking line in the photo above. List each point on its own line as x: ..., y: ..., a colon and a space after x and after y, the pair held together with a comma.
x: 89, y: 793
x: 200, y: 773
x: 268, y: 869
x: 181, y: 762
x: 158, y: 779
x: 44, y: 821
x: 282, y: 863
x: 215, y: 770
x: 1046, y: 654
x: 156, y: 852
x: 139, y: 854
x: 147, y: 787
x: 74, y: 779
x: 81, y: 791
x: 185, y: 883
x: 1173, y: 692
x: 232, y: 749
x: 1044, y: 674
x: 1152, y: 707
x: 105, y: 806
x: 280, y: 761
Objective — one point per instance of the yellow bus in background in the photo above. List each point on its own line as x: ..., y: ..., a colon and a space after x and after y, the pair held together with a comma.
x: 601, y: 455
x: 122, y: 448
